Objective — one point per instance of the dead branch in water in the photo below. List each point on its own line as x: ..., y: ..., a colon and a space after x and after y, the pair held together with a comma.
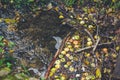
x: 56, y: 54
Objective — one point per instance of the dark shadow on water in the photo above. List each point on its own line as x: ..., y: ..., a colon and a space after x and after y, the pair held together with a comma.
x: 42, y: 28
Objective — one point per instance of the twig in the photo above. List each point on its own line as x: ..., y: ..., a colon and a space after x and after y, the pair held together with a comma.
x: 94, y: 48
x: 77, y: 28
x: 97, y: 29
x: 98, y: 40
x: 97, y: 26
x: 86, y: 48
x: 89, y: 35
x: 56, y: 54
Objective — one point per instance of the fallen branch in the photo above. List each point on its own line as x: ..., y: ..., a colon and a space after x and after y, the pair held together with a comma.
x: 86, y: 48
x: 56, y: 54
x: 93, y: 51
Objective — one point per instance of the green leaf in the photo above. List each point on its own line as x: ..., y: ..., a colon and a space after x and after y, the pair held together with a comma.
x: 1, y: 62
x: 11, y: 44
x: 1, y: 37
x: 69, y: 2
x: 30, y: 0
x: 90, y: 77
x: 42, y: 78
x: 98, y: 73
x: 2, y: 44
x: 9, y: 64
x: 1, y: 50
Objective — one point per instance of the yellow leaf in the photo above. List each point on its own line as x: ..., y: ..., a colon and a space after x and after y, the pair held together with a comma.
x: 49, y: 6
x: 109, y: 10
x: 85, y: 9
x: 5, y: 41
x: 61, y: 17
x: 56, y: 9
x: 9, y: 20
x: 86, y: 62
x: 1, y: 19
x: 11, y: 51
x: 98, y: 73
x: 113, y: 0
x: 95, y: 0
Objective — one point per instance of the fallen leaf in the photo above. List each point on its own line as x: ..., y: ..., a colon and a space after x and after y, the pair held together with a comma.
x: 98, y: 73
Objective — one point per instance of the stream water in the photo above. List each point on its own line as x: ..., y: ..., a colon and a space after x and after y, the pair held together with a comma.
x: 36, y: 39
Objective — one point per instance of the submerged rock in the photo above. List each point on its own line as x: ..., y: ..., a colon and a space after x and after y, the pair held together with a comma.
x: 58, y: 42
